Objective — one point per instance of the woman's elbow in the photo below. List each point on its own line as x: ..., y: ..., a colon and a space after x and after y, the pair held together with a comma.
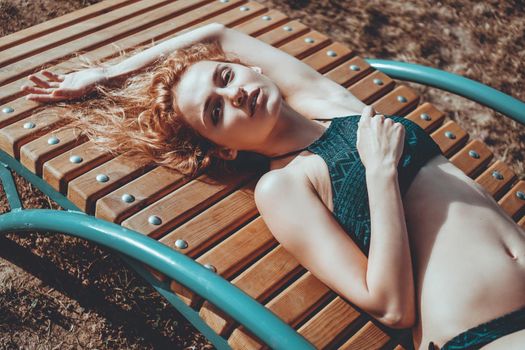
x: 398, y: 319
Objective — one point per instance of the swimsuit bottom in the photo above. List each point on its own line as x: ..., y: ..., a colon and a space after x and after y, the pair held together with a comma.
x: 485, y: 333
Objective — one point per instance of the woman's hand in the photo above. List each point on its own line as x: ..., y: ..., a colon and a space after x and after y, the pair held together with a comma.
x: 380, y: 141
x: 58, y: 87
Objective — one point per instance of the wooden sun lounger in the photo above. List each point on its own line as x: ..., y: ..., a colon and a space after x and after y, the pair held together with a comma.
x: 215, y: 223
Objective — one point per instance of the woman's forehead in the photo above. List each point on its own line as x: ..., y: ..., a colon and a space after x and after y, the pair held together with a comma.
x: 194, y: 87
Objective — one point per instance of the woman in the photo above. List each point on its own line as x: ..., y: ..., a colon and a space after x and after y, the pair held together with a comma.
x: 443, y: 257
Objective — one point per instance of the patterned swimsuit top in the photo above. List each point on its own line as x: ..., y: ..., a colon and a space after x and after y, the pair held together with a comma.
x: 337, y: 147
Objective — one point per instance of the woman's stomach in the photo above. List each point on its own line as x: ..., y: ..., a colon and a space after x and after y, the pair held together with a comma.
x: 469, y: 256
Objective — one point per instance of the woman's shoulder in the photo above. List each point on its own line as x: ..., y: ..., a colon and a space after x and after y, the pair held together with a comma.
x: 307, y: 170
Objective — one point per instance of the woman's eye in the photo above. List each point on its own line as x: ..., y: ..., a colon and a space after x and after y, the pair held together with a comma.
x: 227, y: 76
x: 215, y: 113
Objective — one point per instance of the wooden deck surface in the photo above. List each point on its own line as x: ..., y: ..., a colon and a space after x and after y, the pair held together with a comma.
x: 218, y: 221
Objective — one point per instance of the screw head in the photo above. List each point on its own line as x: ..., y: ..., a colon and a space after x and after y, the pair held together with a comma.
x: 8, y: 110
x: 378, y: 81
x: 224, y: 1
x: 128, y: 198
x: 308, y: 40
x: 181, y: 244
x: 497, y: 175
x: 53, y: 140
x: 210, y: 267
x: 450, y: 135
x: 520, y: 195
x: 29, y: 125
x: 75, y: 159
x: 473, y: 154
x: 402, y: 99
x: 288, y: 28
x: 355, y: 67
x: 102, y: 178
x: 266, y: 18
x: 331, y: 53
x: 154, y: 220
x: 244, y: 8
x: 425, y: 116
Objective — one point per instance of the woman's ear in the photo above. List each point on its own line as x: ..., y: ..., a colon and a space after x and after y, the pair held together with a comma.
x: 257, y: 69
x: 226, y: 153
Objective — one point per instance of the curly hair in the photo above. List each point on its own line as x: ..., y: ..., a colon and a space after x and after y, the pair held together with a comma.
x: 142, y: 119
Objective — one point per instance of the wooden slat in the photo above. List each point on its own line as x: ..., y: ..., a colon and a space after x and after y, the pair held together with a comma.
x: 240, y: 249
x: 23, y: 36
x: 21, y: 109
x: 370, y: 337
x: 166, y: 29
x: 369, y: 89
x: 350, y: 72
x: 284, y: 33
x: 259, y: 281
x: 85, y: 190
x: 233, y: 254
x: 234, y: 16
x: 313, y: 40
x: 472, y: 158
x: 59, y: 171
x: 521, y: 222
x: 182, y: 204
x: 328, y: 325
x: 75, y: 31
x: 263, y: 23
x: 292, y: 306
x: 116, y: 31
x: 400, y: 101
x: 427, y: 111
x: 144, y: 190
x: 513, y: 202
x: 215, y: 223
x: 14, y: 136
x: 329, y: 57
x: 495, y: 186
x: 35, y: 153
x: 449, y: 145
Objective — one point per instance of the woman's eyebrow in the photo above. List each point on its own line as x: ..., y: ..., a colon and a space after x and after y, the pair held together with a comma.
x: 207, y: 103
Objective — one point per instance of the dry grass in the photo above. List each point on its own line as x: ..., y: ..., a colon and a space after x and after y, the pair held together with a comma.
x: 62, y: 292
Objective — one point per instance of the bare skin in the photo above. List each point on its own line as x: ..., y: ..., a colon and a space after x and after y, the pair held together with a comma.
x: 468, y: 255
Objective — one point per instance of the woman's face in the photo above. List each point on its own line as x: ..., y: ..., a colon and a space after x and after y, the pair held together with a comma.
x: 231, y: 105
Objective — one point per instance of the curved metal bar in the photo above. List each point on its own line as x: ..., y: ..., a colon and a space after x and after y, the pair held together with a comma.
x: 239, y: 305
x: 6, y: 179
x: 454, y: 83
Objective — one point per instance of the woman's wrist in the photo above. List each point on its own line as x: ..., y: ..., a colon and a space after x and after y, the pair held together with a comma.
x: 381, y: 171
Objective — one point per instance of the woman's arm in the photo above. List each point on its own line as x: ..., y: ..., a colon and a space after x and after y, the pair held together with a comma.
x: 389, y: 274
x: 306, y: 90
x: 381, y: 285
x: 147, y: 57
x: 76, y: 84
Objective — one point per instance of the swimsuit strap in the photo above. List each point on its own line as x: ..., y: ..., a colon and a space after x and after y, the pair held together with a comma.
x: 298, y: 150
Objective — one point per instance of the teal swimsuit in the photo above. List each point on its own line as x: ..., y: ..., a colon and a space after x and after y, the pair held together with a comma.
x: 337, y: 147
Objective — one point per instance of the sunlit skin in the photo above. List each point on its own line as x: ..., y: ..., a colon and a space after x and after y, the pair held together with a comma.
x: 275, y: 128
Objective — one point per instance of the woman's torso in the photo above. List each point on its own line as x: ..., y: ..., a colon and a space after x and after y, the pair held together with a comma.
x: 465, y: 247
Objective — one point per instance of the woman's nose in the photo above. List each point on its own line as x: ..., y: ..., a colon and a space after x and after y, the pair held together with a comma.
x: 238, y: 96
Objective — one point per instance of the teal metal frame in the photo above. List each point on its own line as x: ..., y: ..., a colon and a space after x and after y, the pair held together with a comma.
x: 136, y: 247
x: 473, y: 90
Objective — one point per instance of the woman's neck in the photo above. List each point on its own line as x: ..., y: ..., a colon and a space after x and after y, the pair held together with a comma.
x: 292, y: 133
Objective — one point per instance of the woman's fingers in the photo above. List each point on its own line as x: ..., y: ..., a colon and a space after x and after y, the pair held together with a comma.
x: 53, y: 76
x: 43, y: 98
x: 37, y: 90
x: 42, y: 83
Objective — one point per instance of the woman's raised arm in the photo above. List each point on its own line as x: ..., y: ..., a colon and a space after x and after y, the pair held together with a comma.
x: 68, y: 86
x: 305, y: 89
